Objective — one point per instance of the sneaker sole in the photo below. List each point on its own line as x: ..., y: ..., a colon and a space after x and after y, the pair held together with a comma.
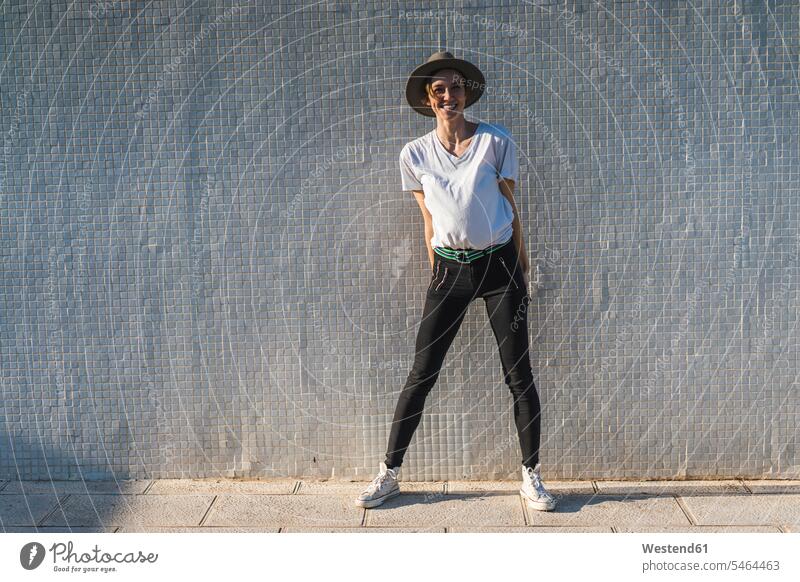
x: 376, y: 502
x: 538, y: 505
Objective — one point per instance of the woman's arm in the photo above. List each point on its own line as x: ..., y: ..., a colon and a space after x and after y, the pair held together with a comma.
x: 426, y: 216
x: 507, y: 189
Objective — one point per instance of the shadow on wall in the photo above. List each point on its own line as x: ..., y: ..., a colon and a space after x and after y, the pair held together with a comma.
x: 37, y: 460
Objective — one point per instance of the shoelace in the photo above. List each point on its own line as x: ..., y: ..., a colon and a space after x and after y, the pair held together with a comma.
x: 539, y: 486
x: 377, y: 482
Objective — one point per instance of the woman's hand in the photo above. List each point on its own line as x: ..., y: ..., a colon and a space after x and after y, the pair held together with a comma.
x: 525, y: 266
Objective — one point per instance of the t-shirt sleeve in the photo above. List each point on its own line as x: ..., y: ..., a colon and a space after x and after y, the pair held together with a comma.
x: 408, y: 175
x: 508, y: 164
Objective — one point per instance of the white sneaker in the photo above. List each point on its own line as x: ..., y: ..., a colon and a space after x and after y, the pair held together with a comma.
x: 533, y: 490
x: 383, y: 487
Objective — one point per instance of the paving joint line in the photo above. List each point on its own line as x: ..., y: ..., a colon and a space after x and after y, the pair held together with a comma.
x: 682, y: 505
x: 205, y: 515
x: 60, y: 501
x: 525, y: 519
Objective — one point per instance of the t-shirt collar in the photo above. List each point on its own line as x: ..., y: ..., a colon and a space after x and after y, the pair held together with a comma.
x: 466, y: 153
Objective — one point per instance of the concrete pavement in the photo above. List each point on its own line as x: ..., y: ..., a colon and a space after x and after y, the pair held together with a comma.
x: 299, y: 505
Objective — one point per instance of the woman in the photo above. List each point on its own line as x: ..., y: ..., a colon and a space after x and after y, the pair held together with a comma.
x: 462, y: 174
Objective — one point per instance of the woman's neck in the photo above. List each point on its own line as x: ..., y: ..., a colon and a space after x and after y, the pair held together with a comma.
x: 455, y: 131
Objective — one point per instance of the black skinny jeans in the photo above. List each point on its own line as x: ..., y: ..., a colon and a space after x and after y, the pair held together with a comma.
x: 498, y: 279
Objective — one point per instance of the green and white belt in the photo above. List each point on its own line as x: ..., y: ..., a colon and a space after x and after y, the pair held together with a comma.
x: 467, y: 255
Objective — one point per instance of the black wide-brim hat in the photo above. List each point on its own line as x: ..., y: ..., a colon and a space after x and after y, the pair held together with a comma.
x: 415, y: 86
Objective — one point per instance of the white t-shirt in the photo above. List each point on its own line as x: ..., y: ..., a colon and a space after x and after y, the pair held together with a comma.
x: 462, y: 193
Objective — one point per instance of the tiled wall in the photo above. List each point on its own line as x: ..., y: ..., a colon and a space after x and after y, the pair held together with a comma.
x: 209, y: 267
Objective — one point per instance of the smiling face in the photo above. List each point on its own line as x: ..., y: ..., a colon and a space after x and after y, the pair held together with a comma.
x: 447, y: 94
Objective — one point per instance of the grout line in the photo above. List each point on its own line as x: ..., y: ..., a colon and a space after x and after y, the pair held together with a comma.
x: 525, y: 519
x: 116, y: 529
x: 782, y: 529
x: 364, y: 518
x: 685, y: 509
x: 746, y: 488
x: 149, y: 487
x: 296, y: 488
x: 613, y: 529
x: 205, y: 515
x: 595, y: 486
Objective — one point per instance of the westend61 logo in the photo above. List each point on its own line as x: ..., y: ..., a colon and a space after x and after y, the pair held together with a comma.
x: 32, y: 555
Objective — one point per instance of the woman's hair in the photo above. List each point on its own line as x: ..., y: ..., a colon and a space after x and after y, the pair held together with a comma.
x: 429, y: 81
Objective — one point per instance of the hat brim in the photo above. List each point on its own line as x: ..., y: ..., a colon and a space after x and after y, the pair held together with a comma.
x: 415, y: 86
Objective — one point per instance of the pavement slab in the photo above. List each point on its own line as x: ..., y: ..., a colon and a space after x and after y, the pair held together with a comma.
x: 65, y: 487
x: 285, y: 510
x: 761, y: 509
x: 363, y: 530
x: 198, y: 529
x: 411, y: 509
x: 108, y: 510
x: 532, y: 529
x: 513, y: 486
x: 701, y: 529
x: 353, y: 488
x: 616, y: 510
x: 26, y: 510
x: 218, y: 486
x: 326, y: 506
x: 773, y: 485
x: 67, y: 530
x: 670, y: 487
